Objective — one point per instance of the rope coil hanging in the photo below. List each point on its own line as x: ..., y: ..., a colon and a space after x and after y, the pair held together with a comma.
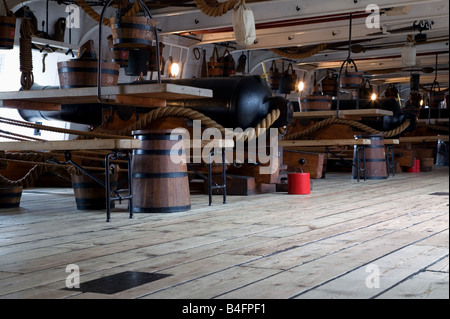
x: 26, y: 55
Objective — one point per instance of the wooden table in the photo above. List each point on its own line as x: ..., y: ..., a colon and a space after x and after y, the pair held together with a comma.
x: 94, y: 144
x: 423, y: 139
x: 145, y: 95
x: 324, y: 142
x: 433, y: 121
x: 343, y: 113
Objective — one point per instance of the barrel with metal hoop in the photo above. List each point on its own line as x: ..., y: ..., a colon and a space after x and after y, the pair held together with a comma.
x: 7, y: 32
x: 436, y: 95
x: 274, y: 77
x: 10, y: 196
x: 7, y: 28
x: 350, y: 79
x: 83, y: 73
x: 329, y: 84
x: 119, y: 56
x: 375, y: 157
x: 153, y: 57
x: 89, y: 194
x: 132, y: 31
x: 316, y: 103
x: 160, y: 179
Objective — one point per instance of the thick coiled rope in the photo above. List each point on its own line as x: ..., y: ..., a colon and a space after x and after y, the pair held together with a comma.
x: 207, y: 122
x: 218, y: 9
x: 34, y: 174
x: 355, y: 124
x: 94, y: 15
x: 59, y: 130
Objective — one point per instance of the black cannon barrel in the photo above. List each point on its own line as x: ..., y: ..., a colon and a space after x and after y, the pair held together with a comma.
x: 237, y: 102
x: 89, y: 114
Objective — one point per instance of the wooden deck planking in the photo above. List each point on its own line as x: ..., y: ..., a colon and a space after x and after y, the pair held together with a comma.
x: 251, y: 247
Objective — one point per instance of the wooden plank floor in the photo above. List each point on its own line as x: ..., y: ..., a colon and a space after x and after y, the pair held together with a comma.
x: 347, y: 239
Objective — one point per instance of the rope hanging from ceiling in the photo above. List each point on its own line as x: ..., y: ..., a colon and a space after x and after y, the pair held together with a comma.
x: 25, y: 55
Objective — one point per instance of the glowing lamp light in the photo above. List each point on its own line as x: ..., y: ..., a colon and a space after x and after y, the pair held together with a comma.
x: 373, y: 97
x: 301, y: 86
x: 175, y: 69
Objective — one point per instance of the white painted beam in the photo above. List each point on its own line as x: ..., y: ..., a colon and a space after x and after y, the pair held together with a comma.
x: 271, y: 11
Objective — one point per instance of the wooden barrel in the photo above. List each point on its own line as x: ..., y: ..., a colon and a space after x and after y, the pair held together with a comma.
x: 3, y: 163
x: 376, y: 166
x: 10, y: 196
x: 152, y: 61
x: 436, y: 97
x: 426, y: 164
x: 160, y: 179
x: 316, y: 103
x: 391, y: 92
x: 132, y: 32
x: 229, y: 65
x: 215, y: 65
x: 83, y: 73
x: 274, y: 79
x: 351, y: 80
x: 329, y: 85
x: 119, y: 56
x: 7, y: 32
x: 90, y: 195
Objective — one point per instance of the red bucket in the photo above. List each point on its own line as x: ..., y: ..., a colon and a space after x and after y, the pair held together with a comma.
x: 415, y: 168
x: 299, y: 184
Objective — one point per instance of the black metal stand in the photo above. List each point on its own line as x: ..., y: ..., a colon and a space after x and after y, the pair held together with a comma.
x: 116, y: 155
x: 209, y: 179
x: 107, y: 184
x: 346, y: 63
x: 359, y: 169
x: 356, y: 159
x: 390, y: 164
